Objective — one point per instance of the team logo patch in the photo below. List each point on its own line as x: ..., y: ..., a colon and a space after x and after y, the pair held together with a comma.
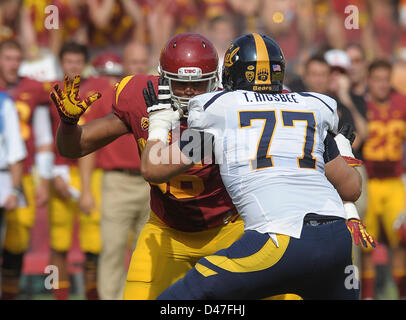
x: 228, y: 59
x: 250, y: 75
x: 263, y: 75
x: 144, y: 123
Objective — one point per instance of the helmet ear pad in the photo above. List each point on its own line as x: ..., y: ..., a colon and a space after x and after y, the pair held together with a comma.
x: 254, y: 62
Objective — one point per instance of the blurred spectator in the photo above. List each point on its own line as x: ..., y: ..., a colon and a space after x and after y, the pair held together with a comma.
x: 28, y: 95
x: 12, y: 154
x: 358, y: 69
x: 71, y: 191
x: 247, y: 13
x: 221, y: 30
x: 326, y: 26
x: 317, y: 77
x: 289, y: 22
x: 383, y: 157
x: 125, y: 207
x: 354, y: 24
x: 9, y: 19
x: 136, y: 63
x: 45, y: 25
x: 357, y: 73
x: 340, y: 89
x: 401, y: 45
x: 385, y: 28
x: 114, y: 22
x: 108, y: 63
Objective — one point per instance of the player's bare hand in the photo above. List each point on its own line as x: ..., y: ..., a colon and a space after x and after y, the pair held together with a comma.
x: 67, y: 101
x: 86, y: 202
x: 61, y: 188
x: 360, y: 234
x: 42, y: 194
x: 11, y: 202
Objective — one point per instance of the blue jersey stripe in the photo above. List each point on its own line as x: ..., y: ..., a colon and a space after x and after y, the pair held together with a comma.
x: 305, y: 94
x: 214, y: 98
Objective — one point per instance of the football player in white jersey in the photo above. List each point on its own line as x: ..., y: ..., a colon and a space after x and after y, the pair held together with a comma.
x: 280, y: 163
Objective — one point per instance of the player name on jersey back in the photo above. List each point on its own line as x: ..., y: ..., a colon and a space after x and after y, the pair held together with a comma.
x: 267, y: 97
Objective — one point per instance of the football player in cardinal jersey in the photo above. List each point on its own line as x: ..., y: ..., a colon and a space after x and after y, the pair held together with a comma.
x: 192, y: 214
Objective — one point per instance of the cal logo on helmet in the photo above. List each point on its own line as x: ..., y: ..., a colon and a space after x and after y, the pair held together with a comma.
x: 254, y: 62
x: 228, y: 59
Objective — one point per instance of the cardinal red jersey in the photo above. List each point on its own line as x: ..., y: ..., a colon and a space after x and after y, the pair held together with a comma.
x: 383, y: 150
x: 28, y: 94
x: 193, y: 201
x: 122, y: 153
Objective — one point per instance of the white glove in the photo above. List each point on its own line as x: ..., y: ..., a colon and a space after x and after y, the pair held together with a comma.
x: 344, y: 146
x: 162, y: 117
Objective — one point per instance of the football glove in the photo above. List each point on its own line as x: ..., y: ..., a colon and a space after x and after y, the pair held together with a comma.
x: 70, y: 107
x: 162, y: 116
x: 344, y: 140
x: 360, y: 234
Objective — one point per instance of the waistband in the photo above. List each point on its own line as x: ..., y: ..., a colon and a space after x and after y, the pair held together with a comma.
x: 313, y: 219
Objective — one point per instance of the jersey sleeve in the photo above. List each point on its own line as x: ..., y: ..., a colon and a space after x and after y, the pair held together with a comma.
x: 129, y: 104
x: 200, y: 147
x: 197, y: 116
x: 328, y: 109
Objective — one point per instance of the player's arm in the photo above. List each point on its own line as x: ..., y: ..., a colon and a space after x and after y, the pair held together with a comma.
x: 341, y: 175
x: 73, y: 140
x: 160, y: 162
x: 344, y: 178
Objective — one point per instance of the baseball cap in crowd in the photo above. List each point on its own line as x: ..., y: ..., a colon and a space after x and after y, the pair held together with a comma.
x: 337, y: 59
x: 108, y: 63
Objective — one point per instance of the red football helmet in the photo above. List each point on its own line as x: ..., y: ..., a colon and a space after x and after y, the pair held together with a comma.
x: 189, y: 57
x: 108, y: 63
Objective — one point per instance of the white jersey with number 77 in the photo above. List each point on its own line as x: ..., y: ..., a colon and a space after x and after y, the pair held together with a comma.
x: 270, y: 151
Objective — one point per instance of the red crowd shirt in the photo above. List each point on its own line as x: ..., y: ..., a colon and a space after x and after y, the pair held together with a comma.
x: 193, y: 201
